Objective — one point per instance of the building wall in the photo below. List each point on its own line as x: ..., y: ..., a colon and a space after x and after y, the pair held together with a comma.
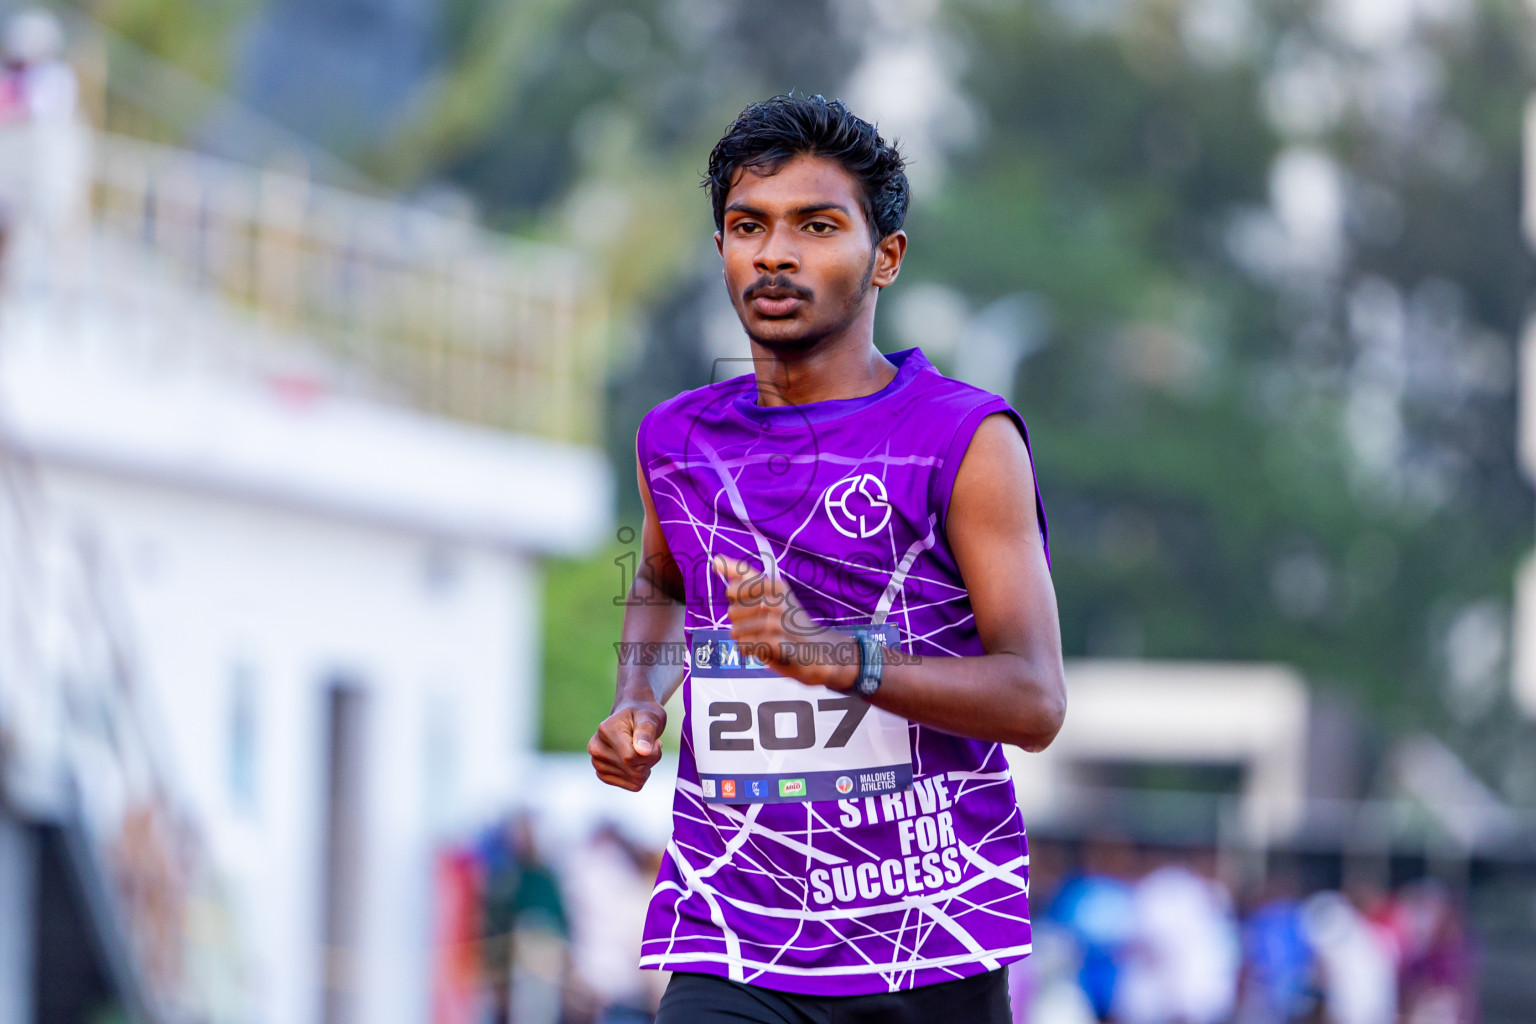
x: 1250, y: 716
x: 242, y: 616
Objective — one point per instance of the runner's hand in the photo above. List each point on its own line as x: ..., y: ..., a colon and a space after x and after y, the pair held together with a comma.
x: 628, y: 744
x: 769, y: 622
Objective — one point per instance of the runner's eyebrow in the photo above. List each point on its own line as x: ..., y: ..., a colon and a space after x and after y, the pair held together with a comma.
x: 799, y: 211
x: 802, y: 211
x: 740, y: 207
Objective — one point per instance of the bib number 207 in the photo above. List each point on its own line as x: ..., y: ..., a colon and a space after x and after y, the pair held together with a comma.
x: 760, y: 737
x: 782, y: 724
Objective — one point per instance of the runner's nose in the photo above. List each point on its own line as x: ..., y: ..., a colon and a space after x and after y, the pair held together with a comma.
x: 777, y: 254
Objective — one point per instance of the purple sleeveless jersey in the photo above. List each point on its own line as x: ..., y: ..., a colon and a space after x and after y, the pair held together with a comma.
x: 861, y: 895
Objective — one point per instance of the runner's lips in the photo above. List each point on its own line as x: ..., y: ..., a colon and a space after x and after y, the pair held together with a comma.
x: 776, y: 305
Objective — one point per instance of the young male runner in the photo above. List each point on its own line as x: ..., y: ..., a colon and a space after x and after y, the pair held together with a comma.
x: 853, y: 551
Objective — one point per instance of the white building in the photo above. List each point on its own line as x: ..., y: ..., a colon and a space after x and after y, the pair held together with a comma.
x: 320, y: 594
x: 1247, y: 722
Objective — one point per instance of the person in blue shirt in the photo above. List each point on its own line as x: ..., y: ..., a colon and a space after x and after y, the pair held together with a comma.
x: 1097, y: 908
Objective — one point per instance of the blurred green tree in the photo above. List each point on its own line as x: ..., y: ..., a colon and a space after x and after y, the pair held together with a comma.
x: 1252, y: 271
x: 1274, y: 284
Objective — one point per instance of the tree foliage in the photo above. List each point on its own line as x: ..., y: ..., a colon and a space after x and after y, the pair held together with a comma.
x: 1254, y: 443
x: 1255, y: 270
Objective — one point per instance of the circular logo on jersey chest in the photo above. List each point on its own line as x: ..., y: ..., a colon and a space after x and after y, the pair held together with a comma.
x: 857, y: 505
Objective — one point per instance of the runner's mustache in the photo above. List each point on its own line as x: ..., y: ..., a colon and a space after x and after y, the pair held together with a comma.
x: 780, y: 283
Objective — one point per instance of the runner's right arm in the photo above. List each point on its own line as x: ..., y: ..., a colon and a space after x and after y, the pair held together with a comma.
x: 627, y: 745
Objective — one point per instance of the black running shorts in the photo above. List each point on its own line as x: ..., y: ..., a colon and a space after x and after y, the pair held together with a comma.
x: 707, y: 999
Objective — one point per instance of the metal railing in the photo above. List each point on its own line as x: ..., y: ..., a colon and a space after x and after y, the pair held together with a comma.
x: 406, y: 304
x: 428, y: 309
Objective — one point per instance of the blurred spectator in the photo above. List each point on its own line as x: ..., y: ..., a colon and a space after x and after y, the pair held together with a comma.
x: 36, y: 85
x: 524, y: 927
x: 1355, y: 968
x: 1437, y: 976
x: 1380, y: 910
x: 1277, y: 984
x: 1129, y: 937
x: 1047, y: 990
x: 43, y: 148
x: 1097, y: 908
x: 150, y: 861
x: 1043, y: 988
x: 609, y: 885
x: 1182, y: 962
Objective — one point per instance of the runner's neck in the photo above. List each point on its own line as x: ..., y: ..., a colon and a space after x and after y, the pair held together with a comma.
x: 820, y: 376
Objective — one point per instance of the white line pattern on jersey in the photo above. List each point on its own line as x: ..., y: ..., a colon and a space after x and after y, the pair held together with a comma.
x: 891, y: 949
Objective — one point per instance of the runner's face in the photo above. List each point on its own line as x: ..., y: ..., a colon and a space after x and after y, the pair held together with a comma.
x: 799, y: 264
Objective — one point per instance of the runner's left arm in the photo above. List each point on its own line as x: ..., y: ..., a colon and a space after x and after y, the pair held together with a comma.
x: 627, y: 745
x: 1016, y: 691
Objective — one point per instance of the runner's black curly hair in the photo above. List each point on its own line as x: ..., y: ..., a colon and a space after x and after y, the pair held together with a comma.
x: 767, y: 134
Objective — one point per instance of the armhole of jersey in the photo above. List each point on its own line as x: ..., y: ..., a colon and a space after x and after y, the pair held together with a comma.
x: 643, y: 453
x: 643, y: 458
x: 943, y: 485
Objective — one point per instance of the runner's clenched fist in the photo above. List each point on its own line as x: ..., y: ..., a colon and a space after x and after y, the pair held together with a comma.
x: 770, y: 624
x: 627, y: 745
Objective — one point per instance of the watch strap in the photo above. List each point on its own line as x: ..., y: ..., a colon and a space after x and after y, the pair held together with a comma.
x: 871, y: 664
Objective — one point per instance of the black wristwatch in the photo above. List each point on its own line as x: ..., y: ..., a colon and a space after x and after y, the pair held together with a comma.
x: 871, y: 661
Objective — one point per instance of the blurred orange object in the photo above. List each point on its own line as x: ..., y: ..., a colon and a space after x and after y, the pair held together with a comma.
x: 456, y: 991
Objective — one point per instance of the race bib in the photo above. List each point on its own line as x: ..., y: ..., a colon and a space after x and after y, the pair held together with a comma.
x: 759, y: 737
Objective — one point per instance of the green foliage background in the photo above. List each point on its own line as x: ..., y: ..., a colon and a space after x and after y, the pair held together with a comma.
x: 1176, y: 506
x: 1196, y: 419
x: 583, y: 624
